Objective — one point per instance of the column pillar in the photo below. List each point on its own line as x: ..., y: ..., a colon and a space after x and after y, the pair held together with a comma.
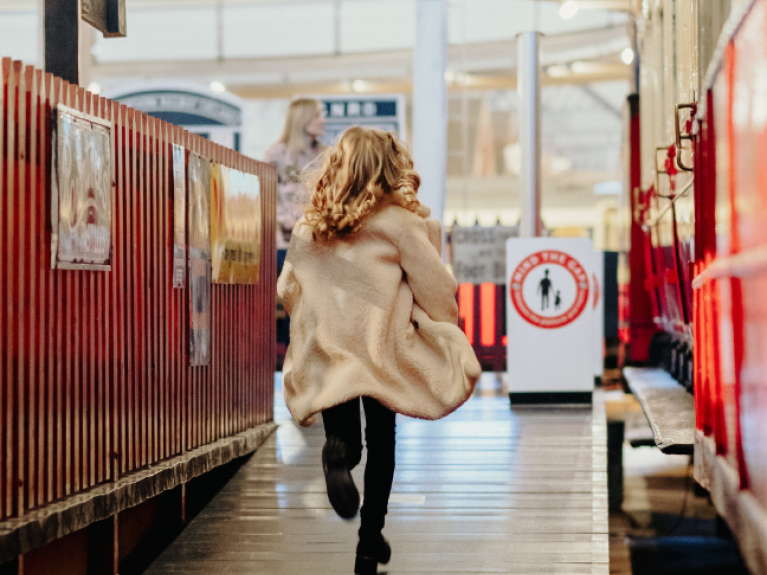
x: 430, y: 103
x: 529, y: 94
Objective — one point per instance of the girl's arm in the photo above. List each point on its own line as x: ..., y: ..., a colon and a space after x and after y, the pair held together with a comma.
x: 433, y: 286
x: 288, y: 288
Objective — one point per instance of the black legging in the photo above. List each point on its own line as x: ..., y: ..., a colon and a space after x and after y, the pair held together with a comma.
x: 343, y: 421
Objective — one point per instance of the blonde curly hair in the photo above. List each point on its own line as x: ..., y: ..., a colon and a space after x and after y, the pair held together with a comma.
x: 365, y: 166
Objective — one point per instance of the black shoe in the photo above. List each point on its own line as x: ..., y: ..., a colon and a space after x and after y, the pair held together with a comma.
x: 374, y: 546
x: 342, y: 492
x: 370, y: 552
x: 365, y: 566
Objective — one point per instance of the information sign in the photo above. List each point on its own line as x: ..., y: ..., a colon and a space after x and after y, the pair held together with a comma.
x: 478, y: 254
x: 549, y: 319
x: 386, y: 112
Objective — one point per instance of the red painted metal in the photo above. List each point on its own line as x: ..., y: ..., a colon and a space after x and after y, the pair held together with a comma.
x: 482, y: 311
x: 636, y: 311
x: 487, y: 315
x: 95, y: 379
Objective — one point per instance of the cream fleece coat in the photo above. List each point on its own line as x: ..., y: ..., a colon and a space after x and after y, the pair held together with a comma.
x: 374, y: 314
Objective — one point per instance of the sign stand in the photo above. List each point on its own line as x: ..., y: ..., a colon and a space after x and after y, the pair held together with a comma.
x: 549, y: 320
x: 598, y: 305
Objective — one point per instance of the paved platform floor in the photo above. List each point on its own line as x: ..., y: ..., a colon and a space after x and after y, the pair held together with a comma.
x: 486, y: 490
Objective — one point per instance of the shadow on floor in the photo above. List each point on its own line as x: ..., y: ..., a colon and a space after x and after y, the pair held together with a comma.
x: 685, y: 555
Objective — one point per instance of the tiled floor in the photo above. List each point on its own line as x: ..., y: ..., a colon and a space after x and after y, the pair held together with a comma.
x: 486, y: 490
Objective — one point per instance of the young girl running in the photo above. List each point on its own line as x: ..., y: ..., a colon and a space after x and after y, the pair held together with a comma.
x: 373, y: 318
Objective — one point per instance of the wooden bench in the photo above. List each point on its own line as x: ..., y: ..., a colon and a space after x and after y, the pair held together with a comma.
x: 668, y: 407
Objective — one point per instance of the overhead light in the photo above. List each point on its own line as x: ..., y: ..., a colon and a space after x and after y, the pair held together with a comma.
x: 217, y: 87
x: 608, y: 188
x: 359, y: 85
x: 568, y: 9
x: 627, y: 56
x: 94, y: 88
x: 558, y: 71
x: 587, y: 67
x: 450, y: 76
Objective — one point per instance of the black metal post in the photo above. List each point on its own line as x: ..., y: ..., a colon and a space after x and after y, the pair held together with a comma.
x: 62, y: 39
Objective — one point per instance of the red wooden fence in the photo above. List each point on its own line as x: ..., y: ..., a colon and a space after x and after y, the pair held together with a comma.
x: 95, y: 380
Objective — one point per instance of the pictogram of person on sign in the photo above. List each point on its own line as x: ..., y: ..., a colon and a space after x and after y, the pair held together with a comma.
x: 543, y: 289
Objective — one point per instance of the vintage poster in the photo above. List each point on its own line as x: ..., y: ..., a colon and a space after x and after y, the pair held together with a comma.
x: 198, y: 176
x: 235, y: 226
x: 179, y: 216
x: 81, y: 206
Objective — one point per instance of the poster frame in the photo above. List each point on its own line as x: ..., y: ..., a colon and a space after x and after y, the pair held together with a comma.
x: 58, y: 110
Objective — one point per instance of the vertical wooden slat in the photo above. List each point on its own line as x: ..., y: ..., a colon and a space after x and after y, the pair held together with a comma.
x: 24, y: 376
x: 75, y: 335
x: 18, y: 274
x: 6, y: 382
x: 105, y: 346
x: 157, y: 249
x: 183, y: 314
x: 11, y: 345
x: 56, y: 349
x: 141, y: 224
x: 35, y: 429
x: 149, y: 237
x: 131, y: 292
x: 120, y: 367
x: 5, y: 410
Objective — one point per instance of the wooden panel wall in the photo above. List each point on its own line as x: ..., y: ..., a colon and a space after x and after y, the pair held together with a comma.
x: 95, y: 380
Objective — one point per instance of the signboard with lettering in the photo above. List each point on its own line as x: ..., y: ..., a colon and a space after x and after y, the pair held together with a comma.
x: 386, y: 112
x: 549, y: 315
x: 81, y: 186
x: 478, y: 254
x: 217, y: 117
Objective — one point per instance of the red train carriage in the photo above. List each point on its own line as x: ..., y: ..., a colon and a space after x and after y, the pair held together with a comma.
x: 698, y: 255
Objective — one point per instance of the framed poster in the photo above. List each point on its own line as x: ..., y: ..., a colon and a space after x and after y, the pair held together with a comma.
x: 235, y: 226
x: 179, y: 216
x: 81, y: 191
x: 198, y: 176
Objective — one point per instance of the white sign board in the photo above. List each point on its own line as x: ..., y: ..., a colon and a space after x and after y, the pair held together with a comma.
x: 598, y: 305
x: 549, y: 318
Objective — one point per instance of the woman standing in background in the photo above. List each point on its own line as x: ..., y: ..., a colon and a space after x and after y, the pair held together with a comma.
x: 297, y: 147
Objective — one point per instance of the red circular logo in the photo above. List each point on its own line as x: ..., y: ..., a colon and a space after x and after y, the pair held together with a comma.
x: 543, y: 277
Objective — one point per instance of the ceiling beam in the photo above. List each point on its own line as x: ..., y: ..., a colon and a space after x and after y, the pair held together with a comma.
x: 287, y: 75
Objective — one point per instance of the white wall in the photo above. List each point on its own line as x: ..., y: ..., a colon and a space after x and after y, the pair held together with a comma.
x: 262, y: 121
x: 19, y: 35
